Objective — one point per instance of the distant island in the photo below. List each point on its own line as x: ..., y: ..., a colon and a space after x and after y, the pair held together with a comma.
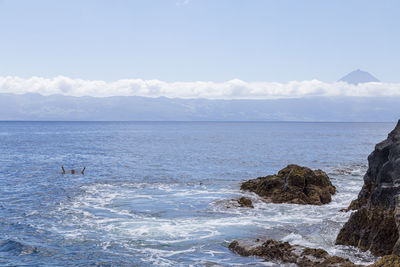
x: 135, y: 108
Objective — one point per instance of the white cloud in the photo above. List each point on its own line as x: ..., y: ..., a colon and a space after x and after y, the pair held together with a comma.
x: 233, y: 89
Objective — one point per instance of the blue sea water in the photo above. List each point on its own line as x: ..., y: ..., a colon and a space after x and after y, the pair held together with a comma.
x: 160, y: 193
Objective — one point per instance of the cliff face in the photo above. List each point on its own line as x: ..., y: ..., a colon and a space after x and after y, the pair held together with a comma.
x: 375, y: 224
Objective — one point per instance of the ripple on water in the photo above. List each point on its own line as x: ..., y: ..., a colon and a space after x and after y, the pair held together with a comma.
x: 17, y: 248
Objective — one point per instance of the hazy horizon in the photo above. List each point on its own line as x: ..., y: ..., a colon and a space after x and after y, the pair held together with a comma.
x: 138, y: 108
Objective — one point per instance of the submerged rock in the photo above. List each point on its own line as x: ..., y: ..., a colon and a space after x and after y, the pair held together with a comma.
x: 245, y: 202
x: 293, y: 184
x: 283, y: 252
x: 375, y: 224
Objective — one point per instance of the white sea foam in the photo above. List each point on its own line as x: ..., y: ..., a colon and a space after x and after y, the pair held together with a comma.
x: 297, y: 239
x: 173, y: 220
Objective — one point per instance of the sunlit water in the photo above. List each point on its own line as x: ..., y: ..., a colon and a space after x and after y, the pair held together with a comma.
x: 161, y: 193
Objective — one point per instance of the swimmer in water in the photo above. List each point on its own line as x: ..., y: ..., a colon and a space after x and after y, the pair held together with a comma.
x: 73, y: 171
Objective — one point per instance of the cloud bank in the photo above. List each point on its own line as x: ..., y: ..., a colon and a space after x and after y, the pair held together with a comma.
x: 233, y: 89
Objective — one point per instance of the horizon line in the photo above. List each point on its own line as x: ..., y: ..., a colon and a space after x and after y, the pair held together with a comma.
x: 196, y: 121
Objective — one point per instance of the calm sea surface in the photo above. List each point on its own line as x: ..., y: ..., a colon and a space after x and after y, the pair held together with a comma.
x: 158, y: 193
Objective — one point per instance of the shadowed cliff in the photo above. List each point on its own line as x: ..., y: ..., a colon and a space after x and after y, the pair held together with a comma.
x: 374, y: 225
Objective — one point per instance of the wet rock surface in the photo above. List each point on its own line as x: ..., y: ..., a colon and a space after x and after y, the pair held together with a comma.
x: 293, y: 184
x: 283, y: 252
x: 374, y: 225
x: 388, y: 261
x: 245, y: 202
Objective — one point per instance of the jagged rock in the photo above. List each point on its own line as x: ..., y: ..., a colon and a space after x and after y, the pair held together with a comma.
x: 388, y: 261
x: 374, y: 225
x: 245, y: 202
x: 283, y: 252
x: 293, y: 184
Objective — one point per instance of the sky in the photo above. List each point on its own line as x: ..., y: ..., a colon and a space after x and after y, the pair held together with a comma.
x: 188, y: 41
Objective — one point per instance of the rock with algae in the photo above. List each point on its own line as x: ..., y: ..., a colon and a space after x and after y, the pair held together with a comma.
x: 375, y: 224
x: 245, y: 202
x: 283, y: 252
x: 293, y: 184
x: 388, y: 261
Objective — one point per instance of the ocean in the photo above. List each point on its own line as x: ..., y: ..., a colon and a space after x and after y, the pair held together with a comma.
x: 161, y: 193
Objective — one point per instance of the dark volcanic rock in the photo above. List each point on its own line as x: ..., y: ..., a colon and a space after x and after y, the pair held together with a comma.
x: 375, y: 224
x: 245, y: 202
x: 276, y: 251
x: 293, y: 184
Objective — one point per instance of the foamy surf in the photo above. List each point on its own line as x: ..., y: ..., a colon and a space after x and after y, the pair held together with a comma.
x: 164, y: 223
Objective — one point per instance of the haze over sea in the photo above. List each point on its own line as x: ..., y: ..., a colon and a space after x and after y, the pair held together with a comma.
x: 157, y: 193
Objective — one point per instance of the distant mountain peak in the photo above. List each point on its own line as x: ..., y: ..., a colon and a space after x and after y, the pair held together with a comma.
x: 358, y: 76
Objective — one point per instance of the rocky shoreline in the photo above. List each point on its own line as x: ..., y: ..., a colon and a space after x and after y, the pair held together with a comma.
x: 283, y: 252
x: 374, y: 225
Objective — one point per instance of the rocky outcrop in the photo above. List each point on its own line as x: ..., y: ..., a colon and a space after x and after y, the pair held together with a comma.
x: 293, y: 184
x: 245, y: 202
x: 374, y: 225
x: 283, y: 252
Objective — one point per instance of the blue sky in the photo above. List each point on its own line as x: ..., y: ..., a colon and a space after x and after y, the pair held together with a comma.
x: 200, y: 40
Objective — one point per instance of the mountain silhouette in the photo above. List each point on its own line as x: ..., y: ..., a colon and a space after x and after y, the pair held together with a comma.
x: 358, y: 76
